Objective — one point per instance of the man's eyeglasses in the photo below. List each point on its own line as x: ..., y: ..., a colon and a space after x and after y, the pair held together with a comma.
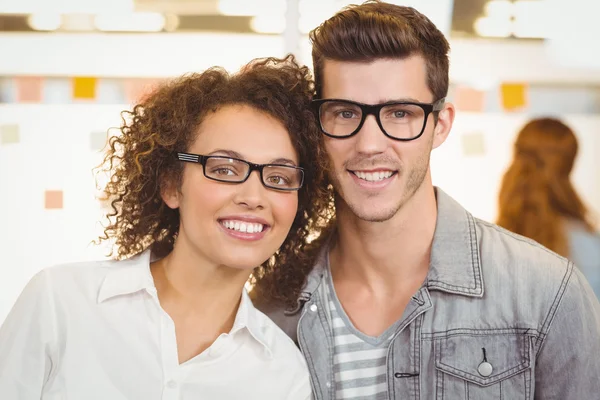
x: 398, y: 120
x: 234, y: 170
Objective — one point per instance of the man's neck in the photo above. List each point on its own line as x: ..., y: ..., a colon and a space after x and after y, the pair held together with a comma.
x: 386, y: 256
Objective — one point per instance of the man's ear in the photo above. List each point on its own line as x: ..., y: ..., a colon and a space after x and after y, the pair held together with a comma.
x: 444, y: 124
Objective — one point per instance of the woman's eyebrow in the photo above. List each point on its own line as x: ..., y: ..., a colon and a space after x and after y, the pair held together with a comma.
x: 235, y: 154
x: 283, y: 161
x: 229, y: 153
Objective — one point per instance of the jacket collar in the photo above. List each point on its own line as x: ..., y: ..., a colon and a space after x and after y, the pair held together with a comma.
x: 455, y: 265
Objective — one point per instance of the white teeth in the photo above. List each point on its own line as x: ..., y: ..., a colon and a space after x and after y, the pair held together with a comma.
x: 243, y: 226
x: 373, y: 176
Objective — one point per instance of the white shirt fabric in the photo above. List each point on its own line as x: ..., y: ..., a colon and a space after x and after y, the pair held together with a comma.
x: 97, y: 331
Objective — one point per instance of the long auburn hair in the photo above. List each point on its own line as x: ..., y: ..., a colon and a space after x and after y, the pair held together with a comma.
x: 536, y: 195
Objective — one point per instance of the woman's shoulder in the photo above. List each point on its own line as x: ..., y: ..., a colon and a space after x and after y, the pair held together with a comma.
x: 79, y: 278
x: 79, y: 270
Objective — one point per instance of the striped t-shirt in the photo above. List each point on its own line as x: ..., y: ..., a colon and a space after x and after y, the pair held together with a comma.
x: 359, y: 360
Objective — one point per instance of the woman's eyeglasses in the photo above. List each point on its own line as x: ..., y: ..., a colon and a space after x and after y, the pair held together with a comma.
x: 235, y: 170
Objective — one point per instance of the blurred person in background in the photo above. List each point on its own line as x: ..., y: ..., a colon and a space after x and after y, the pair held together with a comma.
x: 214, y: 177
x: 538, y: 200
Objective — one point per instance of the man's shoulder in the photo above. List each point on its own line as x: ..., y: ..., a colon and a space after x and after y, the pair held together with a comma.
x: 500, y: 248
x: 518, y: 270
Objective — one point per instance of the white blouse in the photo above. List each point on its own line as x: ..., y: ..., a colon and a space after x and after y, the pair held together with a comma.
x: 97, y: 331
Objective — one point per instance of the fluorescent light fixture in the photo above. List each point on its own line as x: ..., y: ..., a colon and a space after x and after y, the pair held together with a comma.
x: 268, y: 24
x: 65, y: 6
x: 171, y: 22
x: 44, y: 22
x: 499, y: 9
x: 493, y: 27
x: 252, y: 8
x: 134, y: 22
x: 532, y: 19
x: 78, y: 23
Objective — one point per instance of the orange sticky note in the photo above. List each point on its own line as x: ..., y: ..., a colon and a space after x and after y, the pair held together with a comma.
x: 84, y: 88
x: 29, y: 89
x: 469, y: 99
x: 138, y: 89
x: 53, y: 199
x: 514, y: 96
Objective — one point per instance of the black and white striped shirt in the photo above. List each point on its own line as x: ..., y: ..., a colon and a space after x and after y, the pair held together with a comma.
x: 359, y: 359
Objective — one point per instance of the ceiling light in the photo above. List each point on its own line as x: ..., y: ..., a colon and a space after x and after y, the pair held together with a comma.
x: 252, y: 8
x: 134, y: 22
x: 171, y: 22
x: 44, y: 22
x: 268, y: 24
x: 65, y: 6
x: 493, y: 27
x: 499, y: 8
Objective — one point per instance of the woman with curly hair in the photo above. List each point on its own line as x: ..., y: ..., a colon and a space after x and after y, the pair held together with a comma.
x: 538, y: 200
x: 215, y: 183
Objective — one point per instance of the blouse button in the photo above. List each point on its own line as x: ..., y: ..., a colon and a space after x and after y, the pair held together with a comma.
x: 171, y: 384
x: 313, y: 307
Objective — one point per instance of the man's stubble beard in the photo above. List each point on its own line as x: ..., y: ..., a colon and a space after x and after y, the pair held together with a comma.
x: 414, y: 180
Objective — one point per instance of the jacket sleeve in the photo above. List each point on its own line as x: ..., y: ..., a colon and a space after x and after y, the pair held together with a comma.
x: 27, y: 343
x: 568, y: 362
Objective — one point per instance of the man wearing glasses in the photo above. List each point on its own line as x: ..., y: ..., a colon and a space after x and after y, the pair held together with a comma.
x: 412, y: 297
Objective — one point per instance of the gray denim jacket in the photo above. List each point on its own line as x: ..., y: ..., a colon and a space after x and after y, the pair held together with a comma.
x: 534, y: 314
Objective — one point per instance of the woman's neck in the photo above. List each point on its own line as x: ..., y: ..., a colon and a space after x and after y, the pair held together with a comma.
x: 188, y: 284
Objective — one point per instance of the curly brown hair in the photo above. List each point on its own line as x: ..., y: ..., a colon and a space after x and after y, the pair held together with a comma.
x: 141, y: 164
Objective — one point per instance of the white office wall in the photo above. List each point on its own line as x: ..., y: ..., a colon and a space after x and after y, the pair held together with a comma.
x: 54, y: 153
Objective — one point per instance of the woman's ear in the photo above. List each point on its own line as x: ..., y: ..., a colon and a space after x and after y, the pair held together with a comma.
x: 170, y: 194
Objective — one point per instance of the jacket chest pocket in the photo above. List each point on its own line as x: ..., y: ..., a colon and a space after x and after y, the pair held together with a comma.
x: 475, y: 366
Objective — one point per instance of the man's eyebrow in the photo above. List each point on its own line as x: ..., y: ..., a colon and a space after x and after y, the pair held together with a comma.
x: 401, y: 100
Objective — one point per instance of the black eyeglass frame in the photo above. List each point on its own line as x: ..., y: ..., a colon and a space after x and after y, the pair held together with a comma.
x: 202, y: 159
x: 375, y: 110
